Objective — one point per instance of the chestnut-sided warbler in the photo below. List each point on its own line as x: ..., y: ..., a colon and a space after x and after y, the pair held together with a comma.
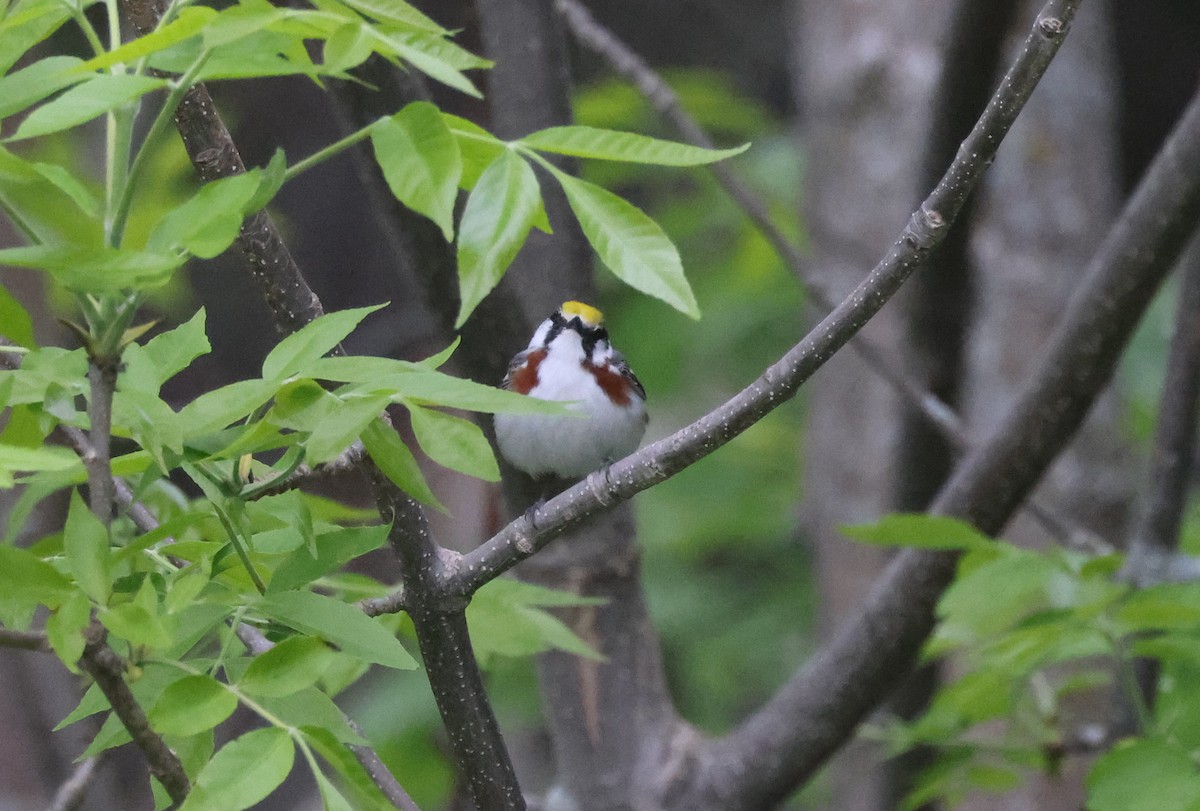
x: 570, y: 360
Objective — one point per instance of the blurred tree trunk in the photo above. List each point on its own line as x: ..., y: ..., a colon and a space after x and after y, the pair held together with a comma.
x: 1047, y: 202
x: 868, y: 90
x: 865, y: 73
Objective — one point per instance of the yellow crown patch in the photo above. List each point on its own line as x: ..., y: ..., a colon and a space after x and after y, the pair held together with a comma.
x: 590, y: 316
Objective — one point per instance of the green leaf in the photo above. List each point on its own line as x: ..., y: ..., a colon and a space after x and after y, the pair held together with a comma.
x: 355, y: 780
x: 291, y: 355
x: 149, y: 365
x: 139, y: 622
x: 240, y: 21
x: 186, y: 586
x: 188, y: 23
x: 254, y: 55
x: 218, y: 408
x: 311, y: 709
x: 26, y: 580
x: 85, y: 101
x: 506, y: 619
x: 421, y: 162
x: 287, y: 668
x: 1015, y: 581
x: 401, y: 378
x: 90, y: 269
x: 151, y: 422
x: 53, y: 205
x: 66, y: 182
x: 397, y: 12
x: 347, y: 48
x: 349, y: 420
x: 85, y: 542
x: 64, y: 628
x: 1144, y: 775
x: 1161, y: 607
x: 243, y: 772
x: 31, y: 84
x: 331, y: 798
x: 397, y: 462
x: 15, y: 323
x: 209, y: 222
x: 919, y: 531
x: 27, y: 24
x: 478, y: 147
x: 339, y: 623
x: 629, y: 243
x: 454, y: 442
x: 611, y: 145
x: 15, y: 459
x: 495, y: 223
x: 192, y: 705
x: 334, y: 549
x: 417, y: 52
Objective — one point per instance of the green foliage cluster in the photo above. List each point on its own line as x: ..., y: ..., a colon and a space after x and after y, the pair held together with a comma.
x: 1044, y: 645
x: 246, y: 553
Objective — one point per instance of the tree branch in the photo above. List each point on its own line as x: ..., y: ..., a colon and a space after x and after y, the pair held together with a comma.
x: 930, y: 407
x: 772, y: 751
x: 214, y: 154
x: 73, y: 791
x: 102, y: 490
x: 108, y: 669
x: 450, y: 665
x: 663, y: 459
x: 1157, y: 526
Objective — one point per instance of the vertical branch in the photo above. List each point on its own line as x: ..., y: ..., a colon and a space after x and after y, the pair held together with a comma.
x: 450, y: 665
x: 1155, y: 534
x: 1158, y: 521
x: 102, y: 490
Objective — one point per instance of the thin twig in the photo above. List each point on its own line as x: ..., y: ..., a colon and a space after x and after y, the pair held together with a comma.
x: 388, y: 604
x: 348, y: 460
x: 1161, y: 511
x: 932, y: 408
x: 73, y: 791
x: 102, y: 377
x: 379, y: 773
x: 107, y: 669
x: 665, y: 458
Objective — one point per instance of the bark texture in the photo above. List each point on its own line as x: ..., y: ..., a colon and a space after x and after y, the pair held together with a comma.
x: 1050, y: 198
x: 864, y: 76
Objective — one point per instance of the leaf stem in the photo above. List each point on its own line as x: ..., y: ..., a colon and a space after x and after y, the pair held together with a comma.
x: 236, y: 539
x: 179, y: 87
x: 324, y: 154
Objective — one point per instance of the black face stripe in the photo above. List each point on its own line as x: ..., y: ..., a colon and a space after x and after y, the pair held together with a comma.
x: 590, y: 336
x: 557, y: 325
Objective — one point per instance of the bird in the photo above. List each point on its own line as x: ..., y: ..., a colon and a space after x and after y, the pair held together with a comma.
x: 570, y: 360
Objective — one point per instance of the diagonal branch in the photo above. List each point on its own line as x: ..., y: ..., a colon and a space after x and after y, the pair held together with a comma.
x: 665, y: 458
x: 839, y: 686
x: 214, y: 155
x: 927, y: 405
x: 72, y: 793
x: 107, y: 669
